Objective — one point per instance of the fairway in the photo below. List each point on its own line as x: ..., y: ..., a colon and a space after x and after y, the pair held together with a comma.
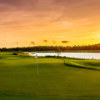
x: 77, y: 79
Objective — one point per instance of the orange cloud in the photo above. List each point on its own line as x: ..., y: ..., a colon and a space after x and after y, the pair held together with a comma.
x: 36, y: 20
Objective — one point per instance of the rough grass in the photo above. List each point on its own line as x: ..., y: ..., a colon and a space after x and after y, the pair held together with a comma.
x: 19, y: 79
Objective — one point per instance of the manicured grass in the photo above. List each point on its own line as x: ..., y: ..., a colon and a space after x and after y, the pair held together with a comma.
x: 85, y: 64
x: 56, y: 81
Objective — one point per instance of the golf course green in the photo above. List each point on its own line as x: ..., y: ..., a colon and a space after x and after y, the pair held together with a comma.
x: 58, y: 78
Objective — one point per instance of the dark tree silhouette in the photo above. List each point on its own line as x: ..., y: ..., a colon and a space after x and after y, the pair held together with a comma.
x: 32, y: 43
x: 45, y: 41
x: 65, y: 42
x: 95, y: 47
x: 54, y: 42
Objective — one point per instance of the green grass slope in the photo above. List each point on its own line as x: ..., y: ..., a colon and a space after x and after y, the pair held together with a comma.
x: 85, y: 64
x: 56, y: 81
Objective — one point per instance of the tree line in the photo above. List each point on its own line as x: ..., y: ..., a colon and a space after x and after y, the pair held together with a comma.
x: 53, y: 48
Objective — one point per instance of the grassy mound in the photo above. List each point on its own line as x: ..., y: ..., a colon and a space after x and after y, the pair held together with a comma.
x: 81, y: 63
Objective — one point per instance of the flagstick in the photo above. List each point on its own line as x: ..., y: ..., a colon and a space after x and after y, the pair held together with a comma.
x: 37, y: 65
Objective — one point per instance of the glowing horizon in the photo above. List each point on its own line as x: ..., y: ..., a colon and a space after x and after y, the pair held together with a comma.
x: 24, y: 21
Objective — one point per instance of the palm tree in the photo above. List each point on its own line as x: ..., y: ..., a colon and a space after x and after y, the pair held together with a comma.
x: 54, y: 42
x: 65, y: 42
x: 45, y: 41
x: 32, y: 43
x: 58, y: 49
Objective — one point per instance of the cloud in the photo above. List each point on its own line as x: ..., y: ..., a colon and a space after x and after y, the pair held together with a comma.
x: 15, y: 5
x: 73, y: 18
x: 18, y: 2
x: 67, y: 8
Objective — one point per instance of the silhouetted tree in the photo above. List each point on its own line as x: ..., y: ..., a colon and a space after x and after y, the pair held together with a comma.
x: 32, y: 43
x: 65, y: 42
x: 53, y: 48
x: 54, y: 42
x: 45, y: 41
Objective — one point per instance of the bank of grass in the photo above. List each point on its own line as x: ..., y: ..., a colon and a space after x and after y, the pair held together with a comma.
x: 84, y: 64
x: 56, y: 81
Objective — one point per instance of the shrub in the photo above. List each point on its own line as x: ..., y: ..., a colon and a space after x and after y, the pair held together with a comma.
x: 14, y: 53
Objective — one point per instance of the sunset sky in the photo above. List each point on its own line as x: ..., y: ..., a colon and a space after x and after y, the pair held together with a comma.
x: 24, y: 21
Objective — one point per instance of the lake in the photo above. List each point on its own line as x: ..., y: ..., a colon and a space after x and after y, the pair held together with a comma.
x: 72, y: 55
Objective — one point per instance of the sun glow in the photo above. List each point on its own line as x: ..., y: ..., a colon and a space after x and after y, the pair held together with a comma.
x: 22, y: 22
